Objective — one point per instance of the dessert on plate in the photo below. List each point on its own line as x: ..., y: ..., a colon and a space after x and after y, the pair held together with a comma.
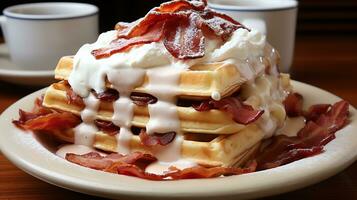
x: 184, y: 92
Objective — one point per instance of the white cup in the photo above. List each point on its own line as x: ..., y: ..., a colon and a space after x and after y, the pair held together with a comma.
x: 274, y: 18
x: 38, y: 34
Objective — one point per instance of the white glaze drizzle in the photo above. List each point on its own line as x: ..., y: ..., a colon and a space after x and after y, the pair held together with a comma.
x: 216, y: 96
x: 163, y: 84
x: 84, y: 133
x: 124, y: 81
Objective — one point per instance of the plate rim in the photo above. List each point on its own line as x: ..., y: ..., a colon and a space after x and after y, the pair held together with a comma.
x: 208, y: 190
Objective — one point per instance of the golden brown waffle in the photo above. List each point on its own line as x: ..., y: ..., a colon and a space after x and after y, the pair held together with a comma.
x: 223, y: 150
x: 211, y: 138
x: 199, y: 82
x: 212, y: 122
x: 192, y: 121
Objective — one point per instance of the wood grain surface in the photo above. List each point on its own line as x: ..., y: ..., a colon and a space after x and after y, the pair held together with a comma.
x: 329, y: 62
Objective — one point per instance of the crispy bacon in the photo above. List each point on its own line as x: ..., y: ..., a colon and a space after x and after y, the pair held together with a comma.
x: 188, y: 173
x: 130, y: 165
x: 109, y: 162
x: 142, y: 99
x: 203, y: 106
x: 38, y: 110
x: 73, y: 98
x: 185, y: 25
x: 315, y: 111
x: 179, y: 5
x: 219, y: 24
x: 121, y: 44
x: 241, y: 113
x: 91, y: 160
x: 156, y: 139
x: 107, y: 127
x: 45, y: 119
x: 123, y: 28
x: 309, y: 141
x: 133, y: 170
x: 203, y: 172
x: 108, y: 95
x: 293, y: 105
x: 185, y: 40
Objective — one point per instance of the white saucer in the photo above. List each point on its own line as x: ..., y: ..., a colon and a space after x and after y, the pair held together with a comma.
x: 9, y: 72
x: 36, y: 157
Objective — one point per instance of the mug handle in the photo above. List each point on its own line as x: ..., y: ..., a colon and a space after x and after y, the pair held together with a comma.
x: 3, y: 22
x: 257, y: 24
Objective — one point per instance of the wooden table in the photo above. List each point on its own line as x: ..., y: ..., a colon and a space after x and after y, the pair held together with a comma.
x: 329, y: 62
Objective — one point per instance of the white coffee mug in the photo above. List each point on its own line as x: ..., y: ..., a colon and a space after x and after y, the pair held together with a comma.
x: 275, y: 18
x: 38, y: 34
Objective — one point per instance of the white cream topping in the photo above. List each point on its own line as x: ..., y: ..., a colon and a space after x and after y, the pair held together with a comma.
x: 89, y: 72
x: 123, y: 140
x: 243, y: 44
x: 84, y: 133
x: 124, y: 80
x: 163, y: 84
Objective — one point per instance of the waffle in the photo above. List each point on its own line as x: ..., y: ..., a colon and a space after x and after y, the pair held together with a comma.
x: 222, y: 150
x: 211, y: 122
x: 197, y: 83
x: 211, y: 138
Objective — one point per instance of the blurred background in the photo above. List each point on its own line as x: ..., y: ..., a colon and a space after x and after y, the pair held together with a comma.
x: 315, y: 16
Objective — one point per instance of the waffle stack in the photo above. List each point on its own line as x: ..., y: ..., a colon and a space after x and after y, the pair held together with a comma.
x: 211, y: 138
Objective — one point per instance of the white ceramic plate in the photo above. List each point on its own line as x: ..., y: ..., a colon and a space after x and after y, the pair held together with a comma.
x: 9, y: 72
x: 29, y: 154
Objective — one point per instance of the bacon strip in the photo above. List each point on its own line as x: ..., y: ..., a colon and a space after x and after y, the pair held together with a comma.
x: 315, y: 111
x: 309, y: 141
x: 185, y: 24
x: 44, y: 119
x: 142, y: 99
x: 133, y: 170
x: 121, y: 44
x: 188, y: 173
x: 185, y: 40
x: 293, y: 105
x: 219, y: 24
x: 108, y: 95
x: 134, y: 164
x: 156, y: 139
x: 107, y: 127
x: 73, y: 98
x: 179, y: 5
x: 203, y: 172
x: 241, y: 113
x: 109, y: 162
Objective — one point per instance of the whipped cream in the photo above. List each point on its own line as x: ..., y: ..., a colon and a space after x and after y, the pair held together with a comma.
x: 89, y: 72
